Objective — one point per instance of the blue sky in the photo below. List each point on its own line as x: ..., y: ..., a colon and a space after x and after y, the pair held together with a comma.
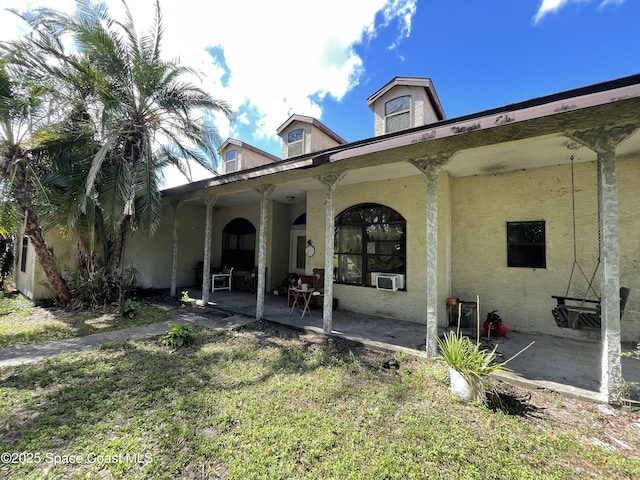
x: 271, y: 59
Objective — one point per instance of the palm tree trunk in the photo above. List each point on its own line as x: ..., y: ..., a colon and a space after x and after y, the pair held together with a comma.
x: 34, y: 233
x: 117, y: 248
x: 45, y: 258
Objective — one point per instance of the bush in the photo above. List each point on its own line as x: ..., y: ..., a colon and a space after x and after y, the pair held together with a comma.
x: 179, y: 336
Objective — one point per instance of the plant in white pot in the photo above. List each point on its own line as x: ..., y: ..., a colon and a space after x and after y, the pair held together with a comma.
x: 469, y: 365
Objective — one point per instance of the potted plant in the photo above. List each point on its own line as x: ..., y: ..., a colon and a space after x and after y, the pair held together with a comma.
x: 469, y: 365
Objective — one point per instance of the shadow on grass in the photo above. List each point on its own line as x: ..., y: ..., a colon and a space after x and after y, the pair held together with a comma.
x: 58, y: 323
x: 140, y: 393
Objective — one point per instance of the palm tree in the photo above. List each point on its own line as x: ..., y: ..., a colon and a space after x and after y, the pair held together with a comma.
x: 149, y: 117
x: 144, y: 116
x: 20, y: 108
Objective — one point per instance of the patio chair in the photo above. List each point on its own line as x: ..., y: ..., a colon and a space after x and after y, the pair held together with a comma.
x: 223, y: 280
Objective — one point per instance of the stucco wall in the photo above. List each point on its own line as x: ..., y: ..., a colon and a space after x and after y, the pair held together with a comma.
x: 153, y: 257
x: 481, y: 207
x: 629, y: 223
x: 421, y: 108
x: 315, y: 139
x: 33, y: 282
x: 250, y: 159
x: 279, y: 254
x: 408, y: 197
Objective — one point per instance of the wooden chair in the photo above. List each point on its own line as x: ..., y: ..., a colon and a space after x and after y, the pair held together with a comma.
x: 317, y: 300
x: 582, y: 313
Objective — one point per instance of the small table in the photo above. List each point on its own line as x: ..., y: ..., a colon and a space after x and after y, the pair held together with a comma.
x: 301, y: 296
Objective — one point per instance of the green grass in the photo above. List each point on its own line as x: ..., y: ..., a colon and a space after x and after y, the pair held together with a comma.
x: 256, y: 405
x: 22, y: 322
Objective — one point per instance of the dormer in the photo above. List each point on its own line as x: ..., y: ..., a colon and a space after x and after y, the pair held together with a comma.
x: 405, y: 102
x: 237, y: 155
x: 301, y: 134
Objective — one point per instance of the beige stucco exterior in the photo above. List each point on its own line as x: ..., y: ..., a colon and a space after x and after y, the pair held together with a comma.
x: 316, y: 136
x: 483, y: 204
x: 247, y: 156
x: 32, y: 282
x: 500, y: 166
x: 422, y: 110
x: 407, y: 196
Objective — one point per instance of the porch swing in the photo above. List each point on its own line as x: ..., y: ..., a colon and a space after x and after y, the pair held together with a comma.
x: 572, y: 312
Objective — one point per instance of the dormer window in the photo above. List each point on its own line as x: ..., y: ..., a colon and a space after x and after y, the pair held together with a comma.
x: 295, y: 141
x: 397, y: 114
x: 231, y: 161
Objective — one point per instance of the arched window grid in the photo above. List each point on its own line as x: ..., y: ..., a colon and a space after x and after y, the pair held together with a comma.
x: 369, y: 239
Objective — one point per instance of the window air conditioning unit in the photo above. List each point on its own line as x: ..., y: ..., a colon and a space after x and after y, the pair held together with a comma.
x: 387, y: 281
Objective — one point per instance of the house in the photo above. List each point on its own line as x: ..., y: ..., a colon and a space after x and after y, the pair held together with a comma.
x: 506, y: 205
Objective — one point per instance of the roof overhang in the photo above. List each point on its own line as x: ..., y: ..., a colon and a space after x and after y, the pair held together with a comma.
x: 512, y: 115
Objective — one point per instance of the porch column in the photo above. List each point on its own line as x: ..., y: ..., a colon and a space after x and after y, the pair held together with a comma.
x: 265, y: 192
x: 603, y: 141
x: 330, y: 181
x: 206, y: 267
x: 174, y: 253
x: 431, y: 167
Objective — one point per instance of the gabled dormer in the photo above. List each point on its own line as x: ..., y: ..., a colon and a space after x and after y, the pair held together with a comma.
x: 237, y: 155
x: 301, y: 134
x: 405, y: 102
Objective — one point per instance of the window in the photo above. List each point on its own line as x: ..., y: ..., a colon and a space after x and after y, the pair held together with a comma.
x: 231, y: 161
x: 238, y: 245
x: 295, y: 140
x: 397, y: 114
x: 23, y: 254
x: 369, y: 239
x: 526, y: 246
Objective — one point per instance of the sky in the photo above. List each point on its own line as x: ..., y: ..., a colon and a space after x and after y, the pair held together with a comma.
x: 272, y: 59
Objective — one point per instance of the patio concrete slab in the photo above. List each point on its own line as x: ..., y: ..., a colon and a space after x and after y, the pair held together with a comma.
x: 561, y: 364
x: 565, y: 365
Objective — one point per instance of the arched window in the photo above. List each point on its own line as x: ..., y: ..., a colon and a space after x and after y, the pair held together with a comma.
x: 238, y: 245
x: 369, y: 239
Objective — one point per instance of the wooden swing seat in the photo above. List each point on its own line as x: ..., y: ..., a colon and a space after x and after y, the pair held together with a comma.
x: 582, y: 313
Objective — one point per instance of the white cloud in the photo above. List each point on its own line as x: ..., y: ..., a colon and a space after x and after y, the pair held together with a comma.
x: 280, y: 57
x: 553, y: 6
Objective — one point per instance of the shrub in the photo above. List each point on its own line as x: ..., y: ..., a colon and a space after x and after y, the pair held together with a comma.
x: 179, y: 336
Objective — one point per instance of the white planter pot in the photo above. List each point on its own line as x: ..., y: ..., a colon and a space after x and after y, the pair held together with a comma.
x: 460, y: 387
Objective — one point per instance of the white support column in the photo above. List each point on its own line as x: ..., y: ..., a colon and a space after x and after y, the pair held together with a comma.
x: 206, y: 267
x: 330, y: 181
x: 265, y: 192
x: 174, y: 252
x: 603, y: 141
x: 611, y: 383
x: 431, y: 167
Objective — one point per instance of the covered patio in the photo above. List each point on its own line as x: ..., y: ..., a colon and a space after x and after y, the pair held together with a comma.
x: 568, y: 366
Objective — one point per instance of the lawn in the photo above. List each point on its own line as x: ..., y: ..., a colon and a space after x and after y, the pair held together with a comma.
x: 272, y: 402
x: 22, y: 322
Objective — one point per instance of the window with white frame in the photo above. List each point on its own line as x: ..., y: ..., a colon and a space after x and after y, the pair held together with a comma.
x: 231, y: 161
x: 370, y: 240
x: 295, y: 142
x: 397, y: 114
